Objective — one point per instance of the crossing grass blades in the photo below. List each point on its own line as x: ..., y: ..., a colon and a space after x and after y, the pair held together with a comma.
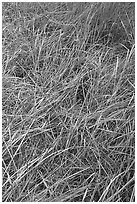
x: 68, y: 110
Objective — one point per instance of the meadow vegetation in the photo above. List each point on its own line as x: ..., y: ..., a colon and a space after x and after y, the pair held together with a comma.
x: 68, y: 92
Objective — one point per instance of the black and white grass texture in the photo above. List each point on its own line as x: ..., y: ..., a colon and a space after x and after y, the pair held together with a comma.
x: 68, y: 109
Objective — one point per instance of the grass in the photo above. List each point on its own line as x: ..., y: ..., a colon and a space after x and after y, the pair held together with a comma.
x: 68, y: 102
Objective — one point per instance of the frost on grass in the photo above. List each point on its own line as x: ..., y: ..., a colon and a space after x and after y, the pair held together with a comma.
x: 68, y: 105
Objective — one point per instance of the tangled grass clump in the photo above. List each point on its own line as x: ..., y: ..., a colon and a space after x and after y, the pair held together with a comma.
x: 68, y: 109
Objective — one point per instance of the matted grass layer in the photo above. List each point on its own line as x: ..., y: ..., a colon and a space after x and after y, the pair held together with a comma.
x: 68, y: 102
